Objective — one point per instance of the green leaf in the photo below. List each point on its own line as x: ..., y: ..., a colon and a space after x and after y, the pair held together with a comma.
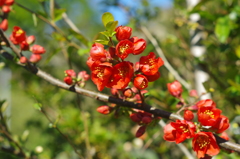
x: 82, y: 52
x: 237, y: 51
x: 106, y: 18
x: 101, y: 41
x: 38, y: 106
x: 111, y: 26
x: 223, y: 28
x: 58, y: 13
x: 80, y: 37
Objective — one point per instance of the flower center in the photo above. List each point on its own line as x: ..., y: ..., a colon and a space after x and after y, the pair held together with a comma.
x: 184, y: 129
x: 123, y: 48
x: 210, y: 113
x: 203, y: 142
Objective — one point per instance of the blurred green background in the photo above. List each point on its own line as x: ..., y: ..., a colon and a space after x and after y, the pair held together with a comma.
x: 107, y: 137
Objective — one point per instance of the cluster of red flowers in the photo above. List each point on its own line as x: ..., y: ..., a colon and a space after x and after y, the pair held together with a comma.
x: 110, y: 70
x: 209, y: 119
x: 19, y: 37
x: 5, y: 6
x: 71, y: 78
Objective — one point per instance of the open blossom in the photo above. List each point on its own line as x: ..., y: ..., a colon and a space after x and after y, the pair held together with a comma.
x: 184, y: 130
x: 149, y: 64
x: 101, y: 73
x: 18, y: 35
x: 175, y: 89
x: 139, y: 45
x: 121, y: 75
x: 221, y: 124
x: 169, y: 133
x: 124, y: 48
x: 208, y: 116
x: 206, y: 103
x: 205, y: 143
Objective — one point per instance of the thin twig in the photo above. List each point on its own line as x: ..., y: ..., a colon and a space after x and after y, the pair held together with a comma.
x: 166, y: 63
x: 60, y: 132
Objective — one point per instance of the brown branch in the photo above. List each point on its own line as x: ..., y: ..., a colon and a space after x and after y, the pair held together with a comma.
x: 105, y: 98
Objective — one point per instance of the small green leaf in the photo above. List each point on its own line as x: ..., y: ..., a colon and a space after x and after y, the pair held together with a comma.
x: 58, y: 13
x: 38, y: 106
x: 106, y: 34
x: 106, y: 18
x: 101, y: 41
x: 111, y: 26
x: 237, y: 51
x: 82, y: 52
x: 223, y: 28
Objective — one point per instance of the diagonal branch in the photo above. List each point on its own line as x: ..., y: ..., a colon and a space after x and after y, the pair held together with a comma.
x: 105, y: 98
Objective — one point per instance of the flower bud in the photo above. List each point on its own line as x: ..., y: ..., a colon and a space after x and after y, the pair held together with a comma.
x: 188, y: 115
x: 34, y: 58
x: 30, y: 39
x: 104, y: 109
x: 24, y: 45
x: 128, y: 92
x: 146, y: 119
x: 141, y: 131
x: 37, y: 49
x: 4, y: 25
x: 175, y: 89
x: 123, y: 32
x: 68, y: 80
x: 139, y: 45
x: 70, y: 73
x: 97, y: 51
x: 83, y: 76
x: 6, y: 9
x: 9, y: 2
x: 140, y: 82
x: 23, y: 60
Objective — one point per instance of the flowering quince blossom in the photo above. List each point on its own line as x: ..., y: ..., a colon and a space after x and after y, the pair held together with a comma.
x: 182, y: 130
x: 140, y: 82
x: 123, y: 32
x: 149, y: 64
x: 124, y: 48
x: 208, y: 116
x: 175, y: 89
x: 205, y: 143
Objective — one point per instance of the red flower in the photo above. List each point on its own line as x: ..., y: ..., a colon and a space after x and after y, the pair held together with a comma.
x: 124, y: 48
x: 24, y: 45
x: 221, y: 124
x: 97, y: 51
x: 4, y: 25
x: 101, y: 73
x: 104, y: 109
x: 149, y: 64
x: 70, y: 73
x: 224, y: 135
x: 83, y: 75
x: 9, y: 2
x: 140, y: 82
x: 139, y: 45
x: 206, y: 103
x: 6, y: 9
x: 23, y: 60
x: 175, y: 89
x: 18, y: 35
x: 123, y: 32
x: 184, y: 130
x: 34, y: 58
x: 169, y: 133
x: 208, y: 116
x: 205, y: 143
x: 188, y: 115
x: 121, y: 75
x: 37, y: 49
x: 68, y: 80
x: 90, y: 61
x: 30, y: 39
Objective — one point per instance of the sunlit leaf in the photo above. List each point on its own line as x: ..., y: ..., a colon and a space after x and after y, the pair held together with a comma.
x: 111, y: 26
x: 58, y: 13
x: 223, y: 28
x: 106, y: 18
